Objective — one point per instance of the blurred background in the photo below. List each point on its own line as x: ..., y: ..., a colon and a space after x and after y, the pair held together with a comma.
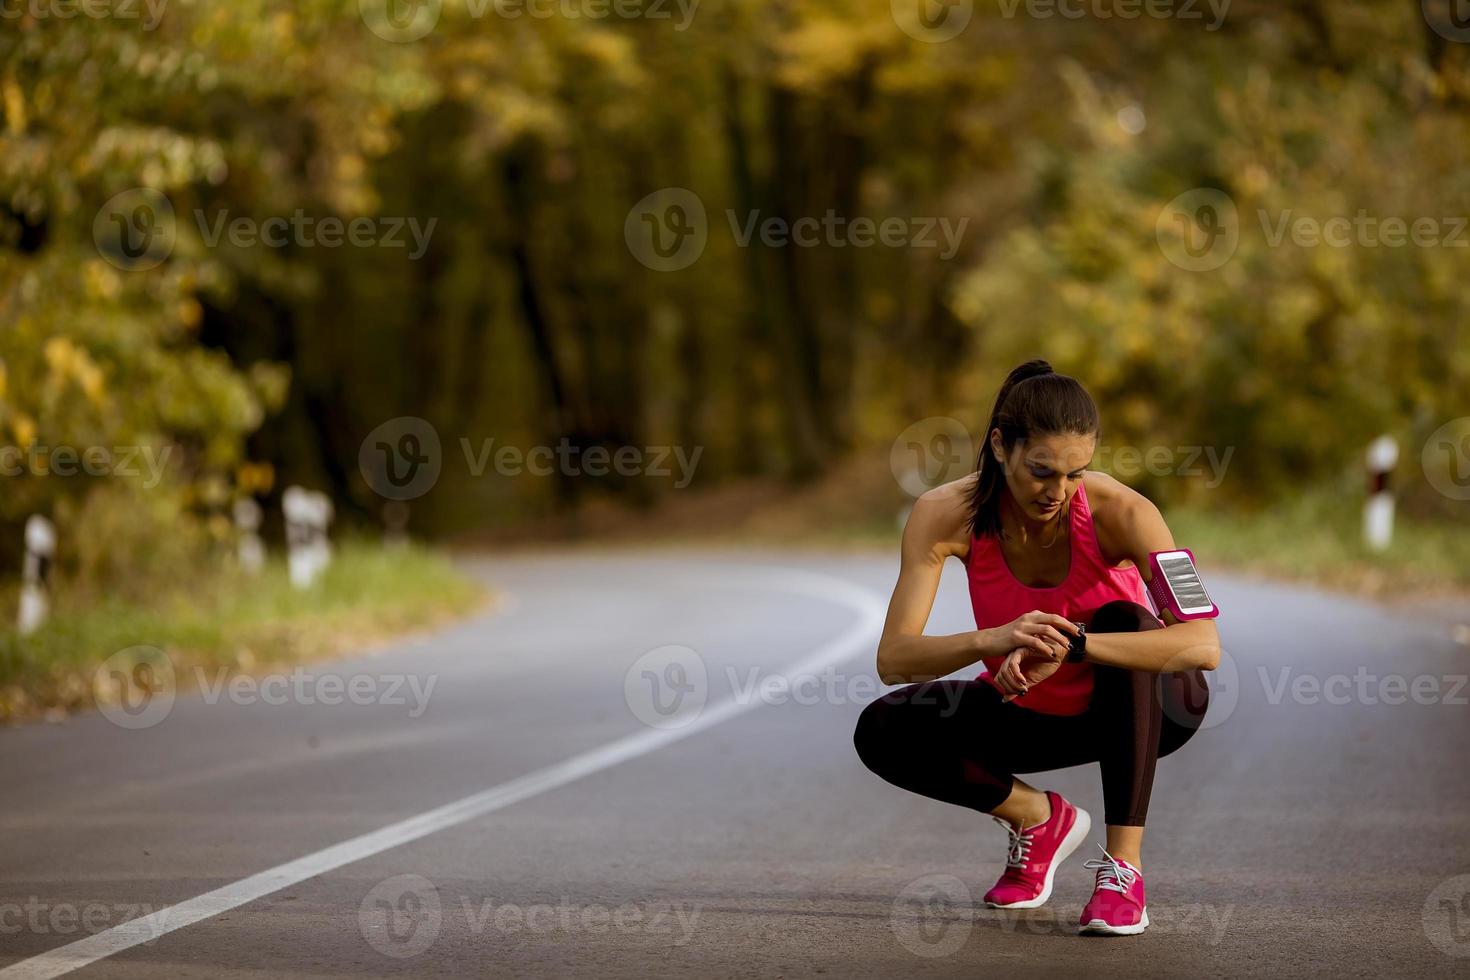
x: 777, y: 254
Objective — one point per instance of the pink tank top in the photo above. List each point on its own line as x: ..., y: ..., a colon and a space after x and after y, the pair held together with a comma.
x: 998, y: 598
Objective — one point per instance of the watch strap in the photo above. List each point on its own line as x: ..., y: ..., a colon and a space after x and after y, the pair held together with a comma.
x: 1077, y: 645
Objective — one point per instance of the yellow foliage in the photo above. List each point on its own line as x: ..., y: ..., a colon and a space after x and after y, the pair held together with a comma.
x: 24, y: 429
x: 15, y: 107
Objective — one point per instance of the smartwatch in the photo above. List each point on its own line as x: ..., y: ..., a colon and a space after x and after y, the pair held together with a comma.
x: 1077, y: 645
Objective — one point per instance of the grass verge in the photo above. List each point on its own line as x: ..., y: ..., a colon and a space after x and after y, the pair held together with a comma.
x: 1318, y: 537
x: 236, y: 622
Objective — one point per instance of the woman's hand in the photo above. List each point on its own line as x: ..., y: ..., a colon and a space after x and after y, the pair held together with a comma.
x: 1042, y: 633
x: 1023, y: 670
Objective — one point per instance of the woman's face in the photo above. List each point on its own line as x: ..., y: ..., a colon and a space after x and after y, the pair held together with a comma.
x: 1042, y: 473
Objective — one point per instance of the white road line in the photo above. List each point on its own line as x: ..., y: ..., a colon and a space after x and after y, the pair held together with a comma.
x: 75, y: 955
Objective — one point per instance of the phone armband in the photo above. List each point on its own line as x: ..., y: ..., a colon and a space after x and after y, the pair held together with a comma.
x: 1177, y: 587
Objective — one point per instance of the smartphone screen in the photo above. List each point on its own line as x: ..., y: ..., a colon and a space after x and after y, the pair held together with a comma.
x: 1184, y: 582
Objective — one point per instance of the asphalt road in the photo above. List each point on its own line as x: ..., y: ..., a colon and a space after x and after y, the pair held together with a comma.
x: 552, y: 789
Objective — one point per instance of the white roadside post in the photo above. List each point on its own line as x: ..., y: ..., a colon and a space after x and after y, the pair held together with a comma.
x: 296, y: 507
x: 395, y: 524
x: 250, y: 550
x: 35, y: 600
x: 1383, y: 455
x: 321, y: 544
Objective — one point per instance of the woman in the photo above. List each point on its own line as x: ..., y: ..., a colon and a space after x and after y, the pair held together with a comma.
x: 1045, y: 544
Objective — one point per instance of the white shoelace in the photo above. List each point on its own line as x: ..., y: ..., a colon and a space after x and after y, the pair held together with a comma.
x: 1019, y: 845
x: 1112, y: 874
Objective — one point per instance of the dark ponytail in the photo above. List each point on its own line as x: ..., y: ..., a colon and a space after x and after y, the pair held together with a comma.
x: 1034, y: 401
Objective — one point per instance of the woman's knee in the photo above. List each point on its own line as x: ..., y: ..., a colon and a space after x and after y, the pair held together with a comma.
x: 875, y: 732
x: 1184, y: 699
x: 1123, y: 616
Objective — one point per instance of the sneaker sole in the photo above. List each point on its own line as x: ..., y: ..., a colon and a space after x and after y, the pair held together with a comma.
x: 1097, y: 927
x: 1081, y: 827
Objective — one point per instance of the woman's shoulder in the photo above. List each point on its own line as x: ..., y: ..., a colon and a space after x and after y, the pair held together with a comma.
x: 1116, y: 509
x: 941, y: 516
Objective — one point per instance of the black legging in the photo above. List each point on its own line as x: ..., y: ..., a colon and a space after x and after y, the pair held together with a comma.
x: 957, y: 741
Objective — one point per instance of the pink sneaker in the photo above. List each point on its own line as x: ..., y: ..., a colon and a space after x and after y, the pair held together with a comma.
x: 1035, y: 853
x: 1117, y: 907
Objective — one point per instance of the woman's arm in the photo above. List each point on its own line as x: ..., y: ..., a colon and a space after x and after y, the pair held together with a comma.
x: 905, y: 655
x: 1135, y: 528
